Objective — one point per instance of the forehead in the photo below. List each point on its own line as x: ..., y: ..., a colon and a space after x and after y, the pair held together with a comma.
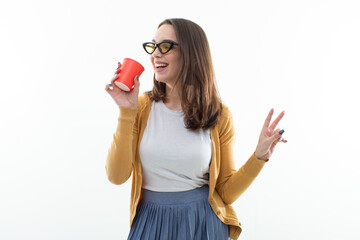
x: 165, y: 32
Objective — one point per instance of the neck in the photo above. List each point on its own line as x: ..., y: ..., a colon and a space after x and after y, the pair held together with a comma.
x: 172, y: 101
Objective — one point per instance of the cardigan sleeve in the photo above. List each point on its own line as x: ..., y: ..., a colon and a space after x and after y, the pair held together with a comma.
x: 231, y: 182
x: 121, y: 154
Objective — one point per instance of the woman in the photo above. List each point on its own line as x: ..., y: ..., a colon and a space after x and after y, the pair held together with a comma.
x: 177, y: 142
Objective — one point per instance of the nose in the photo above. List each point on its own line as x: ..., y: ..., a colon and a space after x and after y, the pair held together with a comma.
x: 156, y: 53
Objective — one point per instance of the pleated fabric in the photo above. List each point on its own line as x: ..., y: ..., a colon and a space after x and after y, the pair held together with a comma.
x: 177, y: 216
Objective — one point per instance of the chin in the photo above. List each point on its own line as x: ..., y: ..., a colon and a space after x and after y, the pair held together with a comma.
x: 165, y: 79
x: 161, y: 79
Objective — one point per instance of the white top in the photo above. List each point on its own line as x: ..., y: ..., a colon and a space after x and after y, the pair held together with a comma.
x: 173, y: 158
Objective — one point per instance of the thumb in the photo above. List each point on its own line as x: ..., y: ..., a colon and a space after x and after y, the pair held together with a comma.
x: 277, y: 134
x: 136, y: 84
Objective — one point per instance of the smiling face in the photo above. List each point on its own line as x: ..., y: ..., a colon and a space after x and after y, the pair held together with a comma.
x: 166, y: 66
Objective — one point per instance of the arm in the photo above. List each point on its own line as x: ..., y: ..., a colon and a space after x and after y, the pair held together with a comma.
x: 231, y: 182
x: 119, y: 163
x: 121, y: 155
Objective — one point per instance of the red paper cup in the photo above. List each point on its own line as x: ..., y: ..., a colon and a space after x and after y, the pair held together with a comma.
x: 128, y: 71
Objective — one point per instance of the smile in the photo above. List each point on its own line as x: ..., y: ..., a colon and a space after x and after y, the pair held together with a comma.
x: 160, y: 67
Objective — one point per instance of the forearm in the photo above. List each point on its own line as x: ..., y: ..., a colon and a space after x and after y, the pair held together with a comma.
x: 121, y: 153
x: 241, y: 180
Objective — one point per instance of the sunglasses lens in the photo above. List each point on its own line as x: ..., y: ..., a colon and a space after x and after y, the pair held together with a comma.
x: 149, y: 47
x: 165, y: 47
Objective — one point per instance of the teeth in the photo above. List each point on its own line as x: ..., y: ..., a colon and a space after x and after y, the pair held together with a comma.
x: 160, y: 65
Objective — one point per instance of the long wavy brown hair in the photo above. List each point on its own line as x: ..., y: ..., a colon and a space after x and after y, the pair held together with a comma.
x: 200, y: 100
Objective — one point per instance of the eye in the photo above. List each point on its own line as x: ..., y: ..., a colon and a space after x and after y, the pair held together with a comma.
x: 149, y: 47
x: 165, y: 47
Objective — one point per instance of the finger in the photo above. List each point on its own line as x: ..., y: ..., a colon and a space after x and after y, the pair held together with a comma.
x: 277, y: 135
x: 117, y: 71
x: 118, y: 68
x: 281, y: 140
x: 268, y: 119
x: 276, y: 121
x: 136, y: 84
x: 114, y: 78
x: 109, y: 87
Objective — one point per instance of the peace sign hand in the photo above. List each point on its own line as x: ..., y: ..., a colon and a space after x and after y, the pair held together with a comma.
x: 269, y: 137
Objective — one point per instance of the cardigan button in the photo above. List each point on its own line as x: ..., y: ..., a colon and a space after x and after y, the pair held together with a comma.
x: 218, y: 213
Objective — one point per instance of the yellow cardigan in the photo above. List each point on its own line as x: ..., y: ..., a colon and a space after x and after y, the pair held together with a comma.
x: 226, y: 183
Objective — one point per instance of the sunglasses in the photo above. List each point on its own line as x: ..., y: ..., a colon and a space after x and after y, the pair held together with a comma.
x: 164, y: 46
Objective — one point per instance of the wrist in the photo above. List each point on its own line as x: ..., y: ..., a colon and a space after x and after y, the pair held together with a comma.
x: 262, y: 158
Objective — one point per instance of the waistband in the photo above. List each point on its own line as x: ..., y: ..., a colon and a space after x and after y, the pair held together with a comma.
x: 196, y: 194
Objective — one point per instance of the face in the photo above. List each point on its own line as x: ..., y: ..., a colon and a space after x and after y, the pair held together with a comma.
x: 166, y: 66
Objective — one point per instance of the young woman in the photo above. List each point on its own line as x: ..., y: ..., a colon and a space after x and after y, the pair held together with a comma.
x: 176, y: 140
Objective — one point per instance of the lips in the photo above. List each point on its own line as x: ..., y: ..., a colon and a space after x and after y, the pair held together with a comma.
x: 160, y: 66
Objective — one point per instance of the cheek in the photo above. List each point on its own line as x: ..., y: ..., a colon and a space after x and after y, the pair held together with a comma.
x: 152, y: 60
x: 177, y: 64
x: 175, y: 59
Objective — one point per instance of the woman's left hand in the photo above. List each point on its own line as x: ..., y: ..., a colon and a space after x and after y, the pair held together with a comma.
x: 269, y: 137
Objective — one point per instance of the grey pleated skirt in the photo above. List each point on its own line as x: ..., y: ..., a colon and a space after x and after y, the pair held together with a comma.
x: 177, y: 215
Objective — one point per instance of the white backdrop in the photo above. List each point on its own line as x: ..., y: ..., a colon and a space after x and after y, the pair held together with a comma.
x: 56, y: 120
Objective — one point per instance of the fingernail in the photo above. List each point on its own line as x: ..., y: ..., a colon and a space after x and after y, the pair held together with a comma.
x: 282, y: 131
x: 110, y: 84
x: 137, y: 78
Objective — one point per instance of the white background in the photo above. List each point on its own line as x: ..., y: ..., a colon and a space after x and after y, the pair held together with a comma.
x: 56, y: 120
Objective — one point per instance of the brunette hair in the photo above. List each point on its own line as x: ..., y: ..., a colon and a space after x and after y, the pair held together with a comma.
x: 199, y: 96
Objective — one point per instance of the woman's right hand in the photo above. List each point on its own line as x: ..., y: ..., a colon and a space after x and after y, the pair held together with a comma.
x: 122, y: 98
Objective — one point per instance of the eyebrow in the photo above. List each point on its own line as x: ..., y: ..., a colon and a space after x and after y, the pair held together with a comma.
x: 165, y: 40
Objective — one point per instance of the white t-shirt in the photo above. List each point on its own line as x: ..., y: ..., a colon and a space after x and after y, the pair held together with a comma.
x: 173, y: 158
